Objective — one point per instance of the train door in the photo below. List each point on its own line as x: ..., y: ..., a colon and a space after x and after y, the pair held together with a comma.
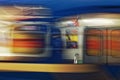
x: 102, y: 45
x: 93, y: 40
x: 114, y: 45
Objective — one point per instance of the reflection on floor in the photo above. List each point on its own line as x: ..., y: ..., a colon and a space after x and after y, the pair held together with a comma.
x: 113, y: 70
x: 52, y: 76
x: 103, y: 74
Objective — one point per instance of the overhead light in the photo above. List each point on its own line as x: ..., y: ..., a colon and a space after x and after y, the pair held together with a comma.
x: 19, y: 17
x: 97, y: 21
x: 30, y: 7
x: 32, y: 22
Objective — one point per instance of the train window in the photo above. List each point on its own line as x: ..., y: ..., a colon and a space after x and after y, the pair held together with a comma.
x: 93, y: 42
x: 29, y: 39
x: 115, y: 43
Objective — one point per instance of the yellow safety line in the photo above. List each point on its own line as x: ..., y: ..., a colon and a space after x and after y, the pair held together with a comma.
x: 61, y: 68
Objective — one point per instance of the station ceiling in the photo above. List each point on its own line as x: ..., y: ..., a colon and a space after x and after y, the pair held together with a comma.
x: 61, y: 8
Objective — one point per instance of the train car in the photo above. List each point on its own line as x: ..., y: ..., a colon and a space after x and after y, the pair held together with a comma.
x: 27, y: 42
x: 102, y: 42
x: 95, y: 42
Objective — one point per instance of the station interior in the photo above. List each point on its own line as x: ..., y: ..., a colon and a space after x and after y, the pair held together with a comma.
x: 59, y: 40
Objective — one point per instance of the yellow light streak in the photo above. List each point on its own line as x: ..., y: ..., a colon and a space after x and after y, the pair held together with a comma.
x: 61, y: 68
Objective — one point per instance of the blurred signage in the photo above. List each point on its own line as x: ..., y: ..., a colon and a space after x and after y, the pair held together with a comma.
x: 76, y: 21
x: 41, y: 28
x: 28, y: 28
x: 71, y: 38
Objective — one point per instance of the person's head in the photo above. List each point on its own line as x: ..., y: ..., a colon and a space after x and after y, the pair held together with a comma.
x: 76, y: 54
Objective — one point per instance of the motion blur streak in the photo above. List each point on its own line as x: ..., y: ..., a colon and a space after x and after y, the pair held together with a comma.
x: 66, y: 68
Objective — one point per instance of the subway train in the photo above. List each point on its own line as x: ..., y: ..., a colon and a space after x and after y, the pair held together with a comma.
x: 34, y: 32
x: 96, y: 38
x: 58, y: 44
x: 95, y: 43
x: 36, y: 42
x: 59, y: 40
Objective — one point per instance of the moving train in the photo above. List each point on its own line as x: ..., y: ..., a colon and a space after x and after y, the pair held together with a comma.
x: 32, y: 42
x: 94, y: 36
x: 48, y: 39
